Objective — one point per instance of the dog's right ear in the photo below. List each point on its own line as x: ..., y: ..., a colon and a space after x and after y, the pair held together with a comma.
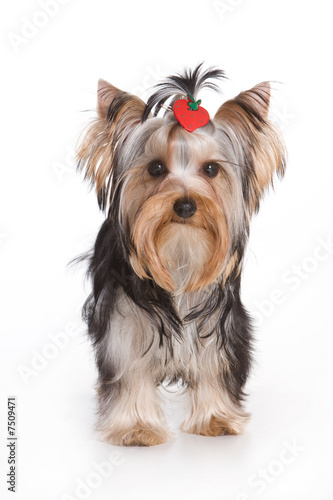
x: 118, y: 114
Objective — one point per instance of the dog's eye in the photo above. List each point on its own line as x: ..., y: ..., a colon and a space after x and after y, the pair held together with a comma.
x: 210, y: 169
x: 156, y: 169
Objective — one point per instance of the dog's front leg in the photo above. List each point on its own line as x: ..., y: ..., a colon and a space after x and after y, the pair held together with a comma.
x: 129, y: 407
x: 213, y: 412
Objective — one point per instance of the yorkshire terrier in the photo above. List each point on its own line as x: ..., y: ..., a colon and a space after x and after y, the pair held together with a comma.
x: 179, y: 191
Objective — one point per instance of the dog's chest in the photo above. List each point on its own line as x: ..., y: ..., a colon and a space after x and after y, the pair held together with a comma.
x: 186, y: 355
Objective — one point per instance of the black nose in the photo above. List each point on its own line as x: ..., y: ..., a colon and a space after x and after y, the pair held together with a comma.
x: 185, y: 207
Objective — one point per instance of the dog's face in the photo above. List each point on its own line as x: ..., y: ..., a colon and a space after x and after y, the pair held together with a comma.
x: 182, y: 200
x: 181, y: 203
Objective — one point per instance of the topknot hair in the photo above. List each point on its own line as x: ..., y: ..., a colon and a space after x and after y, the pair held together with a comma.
x: 190, y: 82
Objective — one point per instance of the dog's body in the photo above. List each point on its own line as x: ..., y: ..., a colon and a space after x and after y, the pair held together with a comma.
x: 167, y: 261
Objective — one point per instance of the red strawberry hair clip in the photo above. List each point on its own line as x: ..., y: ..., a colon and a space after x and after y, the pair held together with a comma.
x: 190, y: 114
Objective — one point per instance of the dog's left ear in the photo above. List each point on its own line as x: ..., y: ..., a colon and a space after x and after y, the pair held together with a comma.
x: 118, y: 114
x: 255, y: 141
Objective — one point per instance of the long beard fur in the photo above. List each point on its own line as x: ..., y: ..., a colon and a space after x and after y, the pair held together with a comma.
x: 180, y: 256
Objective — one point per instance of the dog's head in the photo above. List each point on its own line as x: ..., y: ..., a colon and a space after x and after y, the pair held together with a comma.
x: 182, y: 200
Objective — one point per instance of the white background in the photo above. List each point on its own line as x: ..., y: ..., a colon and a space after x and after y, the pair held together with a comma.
x: 48, y: 216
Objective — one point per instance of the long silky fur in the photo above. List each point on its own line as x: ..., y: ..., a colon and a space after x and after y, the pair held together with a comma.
x: 110, y: 271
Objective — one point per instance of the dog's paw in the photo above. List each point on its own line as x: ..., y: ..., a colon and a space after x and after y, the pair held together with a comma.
x: 219, y: 427
x: 214, y: 427
x: 146, y: 437
x: 139, y: 436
